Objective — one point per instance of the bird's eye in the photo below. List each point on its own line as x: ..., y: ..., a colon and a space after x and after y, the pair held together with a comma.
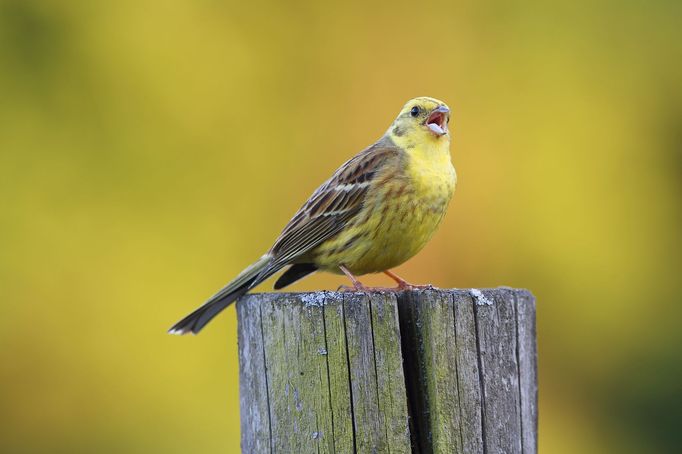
x: 415, y: 111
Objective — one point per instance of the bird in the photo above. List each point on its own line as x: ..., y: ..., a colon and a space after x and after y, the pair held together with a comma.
x: 378, y: 210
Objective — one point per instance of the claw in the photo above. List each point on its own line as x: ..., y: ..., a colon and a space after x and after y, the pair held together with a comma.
x: 355, y: 288
x: 347, y: 288
x: 404, y: 285
x: 408, y: 286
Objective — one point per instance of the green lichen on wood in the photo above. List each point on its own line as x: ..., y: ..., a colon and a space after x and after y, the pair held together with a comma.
x: 297, y: 376
x: 337, y: 360
x: 375, y: 364
x: 431, y: 316
x: 393, y: 407
x: 468, y: 377
x: 332, y: 368
x: 340, y: 372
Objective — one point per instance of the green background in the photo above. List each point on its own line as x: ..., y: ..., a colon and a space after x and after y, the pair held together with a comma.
x: 149, y: 150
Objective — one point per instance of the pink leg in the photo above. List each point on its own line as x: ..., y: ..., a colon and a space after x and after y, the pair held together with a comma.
x: 357, y: 285
x: 403, y: 284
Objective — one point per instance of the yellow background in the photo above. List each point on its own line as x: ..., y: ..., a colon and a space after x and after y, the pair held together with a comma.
x: 149, y: 150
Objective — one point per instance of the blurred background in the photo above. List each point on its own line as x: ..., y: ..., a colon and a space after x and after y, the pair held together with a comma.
x: 150, y: 150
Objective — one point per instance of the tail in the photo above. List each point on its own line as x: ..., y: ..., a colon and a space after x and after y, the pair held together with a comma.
x: 294, y: 273
x: 247, y: 279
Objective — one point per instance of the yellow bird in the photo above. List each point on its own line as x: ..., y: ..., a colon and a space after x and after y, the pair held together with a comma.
x: 376, y: 211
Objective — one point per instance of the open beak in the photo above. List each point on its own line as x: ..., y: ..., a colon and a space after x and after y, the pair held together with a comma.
x: 437, y: 121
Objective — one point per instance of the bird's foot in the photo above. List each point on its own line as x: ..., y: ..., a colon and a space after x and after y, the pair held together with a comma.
x: 404, y: 285
x: 407, y: 286
x: 357, y: 285
x: 362, y: 288
x: 353, y: 288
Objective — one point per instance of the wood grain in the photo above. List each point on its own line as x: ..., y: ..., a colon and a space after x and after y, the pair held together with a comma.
x: 428, y: 371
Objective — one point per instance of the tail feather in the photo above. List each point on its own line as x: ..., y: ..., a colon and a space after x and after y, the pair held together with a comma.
x: 247, y: 279
x: 294, y: 273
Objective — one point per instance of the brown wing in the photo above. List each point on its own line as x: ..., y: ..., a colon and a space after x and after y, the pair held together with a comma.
x: 333, y: 204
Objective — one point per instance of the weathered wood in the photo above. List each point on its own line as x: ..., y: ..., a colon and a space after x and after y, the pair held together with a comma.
x: 296, y: 374
x: 527, y: 356
x: 253, y: 387
x: 434, y: 356
x: 340, y: 372
x: 377, y: 385
x: 337, y: 366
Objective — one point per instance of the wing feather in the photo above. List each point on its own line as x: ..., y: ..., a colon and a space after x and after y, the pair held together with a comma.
x: 334, y: 203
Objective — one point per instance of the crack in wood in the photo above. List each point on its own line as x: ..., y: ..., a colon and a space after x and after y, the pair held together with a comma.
x: 427, y: 371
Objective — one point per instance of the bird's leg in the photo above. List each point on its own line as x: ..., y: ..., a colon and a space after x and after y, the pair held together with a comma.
x: 357, y: 285
x: 403, y: 284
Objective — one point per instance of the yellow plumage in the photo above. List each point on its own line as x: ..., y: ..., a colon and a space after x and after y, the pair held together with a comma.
x: 402, y: 209
x: 378, y: 210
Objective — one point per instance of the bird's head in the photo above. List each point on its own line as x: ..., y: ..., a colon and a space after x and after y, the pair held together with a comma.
x: 421, y: 120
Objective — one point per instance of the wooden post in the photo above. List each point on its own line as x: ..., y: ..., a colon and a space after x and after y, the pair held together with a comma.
x: 427, y: 371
